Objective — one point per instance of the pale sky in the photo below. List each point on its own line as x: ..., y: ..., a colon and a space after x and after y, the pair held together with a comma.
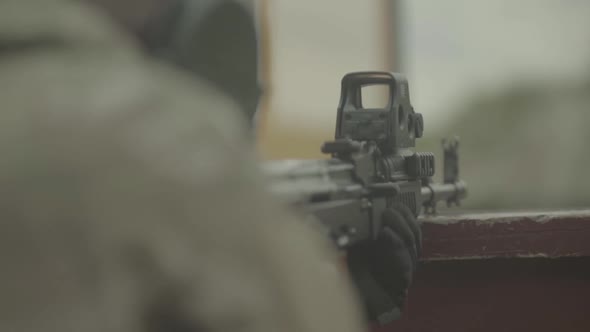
x: 455, y: 48
x: 451, y: 49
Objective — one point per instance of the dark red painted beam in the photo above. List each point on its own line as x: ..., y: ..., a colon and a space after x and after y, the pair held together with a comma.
x: 493, y: 295
x: 502, y: 272
x: 524, y: 234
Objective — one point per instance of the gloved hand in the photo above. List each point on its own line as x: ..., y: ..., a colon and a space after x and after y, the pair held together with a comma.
x: 383, y: 269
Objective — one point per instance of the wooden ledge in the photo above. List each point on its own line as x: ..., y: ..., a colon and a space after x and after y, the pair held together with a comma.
x: 551, y: 234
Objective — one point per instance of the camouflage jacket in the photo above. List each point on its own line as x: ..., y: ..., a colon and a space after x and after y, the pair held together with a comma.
x: 131, y: 199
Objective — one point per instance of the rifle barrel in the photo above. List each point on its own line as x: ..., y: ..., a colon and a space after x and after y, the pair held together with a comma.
x: 450, y: 192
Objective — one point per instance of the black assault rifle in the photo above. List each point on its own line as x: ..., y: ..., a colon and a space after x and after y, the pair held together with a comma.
x: 372, y: 165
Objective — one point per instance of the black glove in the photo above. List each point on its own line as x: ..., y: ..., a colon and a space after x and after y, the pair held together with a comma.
x: 383, y: 269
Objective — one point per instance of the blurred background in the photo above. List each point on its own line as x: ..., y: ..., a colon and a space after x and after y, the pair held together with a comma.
x: 510, y: 78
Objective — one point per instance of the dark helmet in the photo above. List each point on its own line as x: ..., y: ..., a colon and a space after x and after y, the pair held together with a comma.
x: 216, y: 40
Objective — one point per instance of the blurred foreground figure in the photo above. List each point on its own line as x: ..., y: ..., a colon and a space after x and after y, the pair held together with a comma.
x: 130, y: 197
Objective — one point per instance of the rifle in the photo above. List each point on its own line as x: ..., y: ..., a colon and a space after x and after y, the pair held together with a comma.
x: 372, y: 165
